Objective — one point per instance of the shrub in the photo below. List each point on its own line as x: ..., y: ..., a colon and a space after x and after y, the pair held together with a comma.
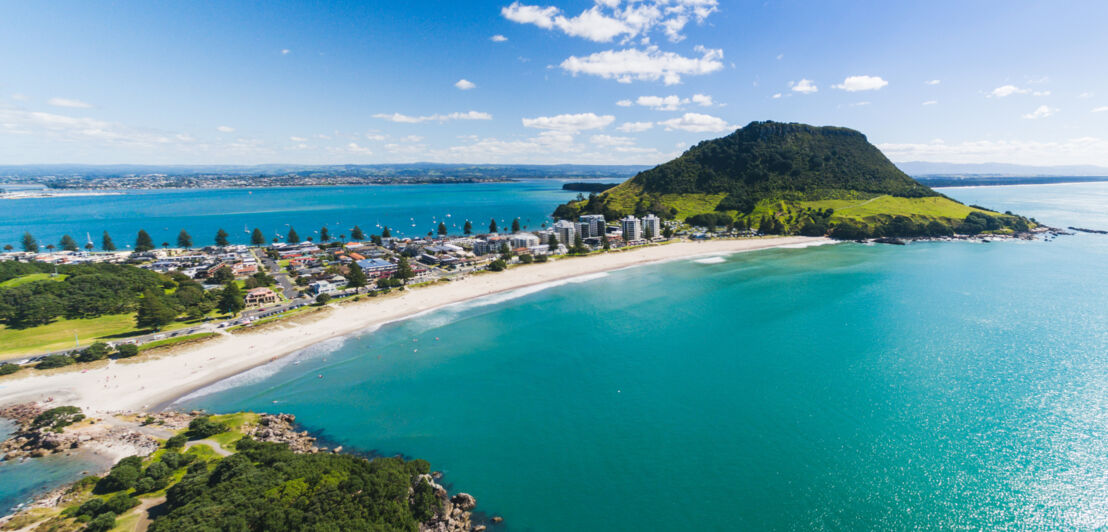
x: 102, y: 523
x: 120, y: 503
x: 120, y: 478
x: 54, y: 361
x: 126, y: 350
x: 498, y: 265
x: 145, y: 485
x: 58, y: 418
x: 322, y: 299
x: 8, y: 368
x: 176, y: 442
x: 526, y: 258
x: 96, y: 351
x: 203, y: 427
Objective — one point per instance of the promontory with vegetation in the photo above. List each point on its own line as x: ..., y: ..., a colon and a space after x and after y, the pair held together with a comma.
x: 793, y: 178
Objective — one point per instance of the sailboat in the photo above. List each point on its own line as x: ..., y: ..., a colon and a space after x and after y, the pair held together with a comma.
x: 245, y: 229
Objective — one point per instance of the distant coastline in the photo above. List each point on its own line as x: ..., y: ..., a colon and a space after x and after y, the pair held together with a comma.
x: 971, y: 180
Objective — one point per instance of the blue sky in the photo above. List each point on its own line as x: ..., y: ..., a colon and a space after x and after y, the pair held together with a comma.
x: 538, y: 82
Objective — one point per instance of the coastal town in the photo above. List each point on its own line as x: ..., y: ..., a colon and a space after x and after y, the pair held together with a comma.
x: 277, y: 276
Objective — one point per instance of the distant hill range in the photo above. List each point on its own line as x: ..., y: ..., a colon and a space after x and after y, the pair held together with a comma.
x: 788, y: 178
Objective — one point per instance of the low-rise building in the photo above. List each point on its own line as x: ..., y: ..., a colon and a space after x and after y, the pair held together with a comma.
x: 261, y: 296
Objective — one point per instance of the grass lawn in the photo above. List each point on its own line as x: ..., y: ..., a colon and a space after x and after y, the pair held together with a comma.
x: 59, y: 334
x: 30, y: 278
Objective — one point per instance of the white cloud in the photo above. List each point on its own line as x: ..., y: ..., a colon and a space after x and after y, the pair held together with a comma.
x: 465, y: 84
x: 77, y: 129
x: 607, y: 19
x: 1007, y: 90
x: 225, y: 129
x: 68, y: 102
x: 662, y: 103
x: 649, y: 64
x: 298, y: 139
x: 19, y: 97
x: 1041, y: 93
x: 625, y: 103
x: 859, y: 104
x: 1042, y: 111
x: 776, y: 95
x: 635, y: 127
x: 804, y: 86
x: 702, y: 100
x: 933, y: 82
x: 376, y: 137
x: 1100, y: 109
x: 498, y: 38
x: 608, y: 141
x: 569, y: 122
x: 1084, y: 150
x: 1082, y: 95
x: 285, y: 51
x: 696, y: 122
x: 407, y: 119
x: 355, y: 148
x: 780, y: 56
x: 930, y: 102
x: 861, y: 83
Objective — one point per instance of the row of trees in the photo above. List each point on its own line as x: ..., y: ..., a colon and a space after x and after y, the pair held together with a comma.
x: 144, y: 242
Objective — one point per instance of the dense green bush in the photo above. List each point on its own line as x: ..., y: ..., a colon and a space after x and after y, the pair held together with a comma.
x: 176, y: 442
x: 58, y: 418
x: 267, y: 487
x: 123, y: 476
x: 126, y: 350
x: 9, y: 368
x: 55, y: 361
x: 203, y: 427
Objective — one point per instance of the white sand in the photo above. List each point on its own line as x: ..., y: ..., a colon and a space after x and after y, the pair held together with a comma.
x: 144, y: 385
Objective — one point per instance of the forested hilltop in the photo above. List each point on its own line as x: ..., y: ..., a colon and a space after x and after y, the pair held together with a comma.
x: 793, y: 179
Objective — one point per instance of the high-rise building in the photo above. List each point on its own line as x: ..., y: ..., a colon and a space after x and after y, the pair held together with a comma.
x: 652, y: 226
x: 565, y: 231
x: 596, y: 224
x: 632, y: 228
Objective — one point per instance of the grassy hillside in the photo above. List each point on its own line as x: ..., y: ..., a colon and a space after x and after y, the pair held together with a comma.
x: 801, y: 178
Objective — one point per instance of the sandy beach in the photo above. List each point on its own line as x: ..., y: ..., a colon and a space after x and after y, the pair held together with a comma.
x: 137, y: 386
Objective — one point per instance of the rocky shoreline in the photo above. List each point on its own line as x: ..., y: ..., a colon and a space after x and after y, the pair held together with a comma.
x: 138, y: 434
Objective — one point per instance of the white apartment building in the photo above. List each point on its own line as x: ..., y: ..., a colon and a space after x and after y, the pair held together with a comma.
x: 652, y: 225
x: 632, y: 228
x: 565, y: 231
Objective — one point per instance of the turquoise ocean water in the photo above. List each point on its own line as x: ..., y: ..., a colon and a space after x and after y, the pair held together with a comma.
x: 937, y: 385
x: 944, y: 385
x: 164, y: 213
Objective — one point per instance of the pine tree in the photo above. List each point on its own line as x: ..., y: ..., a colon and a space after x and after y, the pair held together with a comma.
x: 553, y: 243
x: 30, y: 245
x: 578, y: 245
x: 67, y: 243
x: 143, y: 242
x: 468, y: 228
x: 442, y: 229
x: 106, y: 243
x: 184, y: 240
x: 515, y: 225
x: 293, y: 237
x: 357, y: 234
x: 385, y: 233
x: 403, y: 269
x: 153, y: 312
x: 324, y: 234
x: 355, y: 278
x: 231, y: 300
x: 221, y: 238
x: 492, y: 225
x: 257, y: 238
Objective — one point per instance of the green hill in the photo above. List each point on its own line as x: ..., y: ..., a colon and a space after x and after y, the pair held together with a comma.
x: 792, y: 179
